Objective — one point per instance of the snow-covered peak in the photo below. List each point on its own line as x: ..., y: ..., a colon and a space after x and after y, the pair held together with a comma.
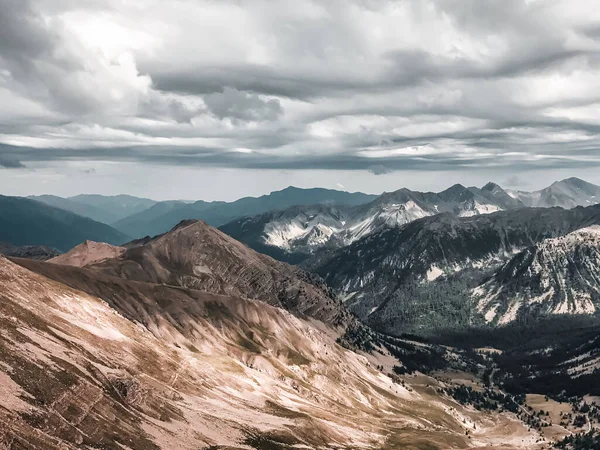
x: 477, y: 208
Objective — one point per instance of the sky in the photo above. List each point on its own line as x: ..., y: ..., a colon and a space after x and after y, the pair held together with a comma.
x: 220, y: 99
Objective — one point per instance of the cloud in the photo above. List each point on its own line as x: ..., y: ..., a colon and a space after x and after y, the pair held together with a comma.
x: 372, y: 86
x: 515, y: 181
x: 10, y: 163
x: 234, y: 104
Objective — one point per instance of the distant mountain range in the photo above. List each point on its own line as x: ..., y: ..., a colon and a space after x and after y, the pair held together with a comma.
x: 298, y: 232
x: 315, y: 226
x: 294, y: 224
x: 105, y: 209
x: 567, y: 193
x: 28, y: 222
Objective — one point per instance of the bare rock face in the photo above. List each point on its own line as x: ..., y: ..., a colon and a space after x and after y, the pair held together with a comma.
x: 555, y: 276
x: 89, y: 252
x: 197, y: 256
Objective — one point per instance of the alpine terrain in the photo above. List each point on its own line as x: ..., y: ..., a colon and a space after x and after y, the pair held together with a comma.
x: 462, y: 319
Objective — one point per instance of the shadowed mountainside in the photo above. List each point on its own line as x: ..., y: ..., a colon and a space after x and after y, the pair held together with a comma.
x: 40, y: 252
x: 28, y: 222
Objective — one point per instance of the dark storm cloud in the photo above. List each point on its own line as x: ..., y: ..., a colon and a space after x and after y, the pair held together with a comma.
x: 24, y: 38
x: 376, y: 86
x: 10, y: 163
x: 408, y: 68
x: 207, y: 157
x: 34, y: 55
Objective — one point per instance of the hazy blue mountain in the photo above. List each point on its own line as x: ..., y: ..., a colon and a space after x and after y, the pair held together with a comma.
x: 29, y: 222
x: 132, y: 224
x: 79, y: 208
x: 119, y: 206
x: 101, y: 208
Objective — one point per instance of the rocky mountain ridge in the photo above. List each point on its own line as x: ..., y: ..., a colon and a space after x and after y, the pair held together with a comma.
x: 554, y: 276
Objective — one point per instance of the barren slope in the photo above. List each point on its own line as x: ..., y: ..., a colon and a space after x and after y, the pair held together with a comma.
x: 153, y: 367
x: 89, y: 252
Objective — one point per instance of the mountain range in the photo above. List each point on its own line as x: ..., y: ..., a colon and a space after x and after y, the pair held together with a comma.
x: 470, y: 307
x: 105, y: 209
x: 161, y: 217
x: 567, y: 193
x: 306, y: 229
x: 298, y: 232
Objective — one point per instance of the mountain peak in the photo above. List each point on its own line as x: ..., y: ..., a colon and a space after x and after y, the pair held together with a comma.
x: 491, y: 186
x: 455, y: 188
x: 574, y: 182
x: 456, y: 192
x: 197, y: 256
x: 288, y: 189
x: 186, y: 222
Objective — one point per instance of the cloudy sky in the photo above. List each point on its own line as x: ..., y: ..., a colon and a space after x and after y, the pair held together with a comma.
x: 221, y: 99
